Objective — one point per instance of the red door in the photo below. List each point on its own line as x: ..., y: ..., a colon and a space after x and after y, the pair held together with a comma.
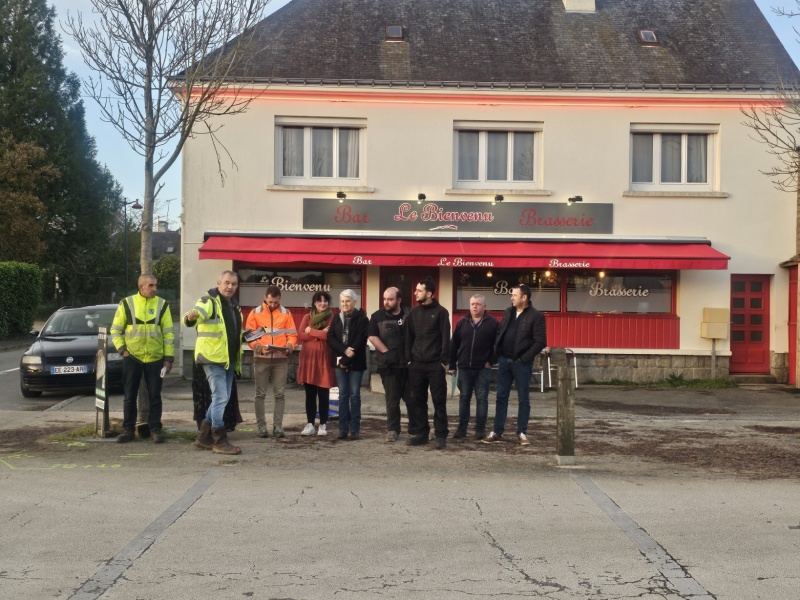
x: 793, y: 325
x: 749, y: 324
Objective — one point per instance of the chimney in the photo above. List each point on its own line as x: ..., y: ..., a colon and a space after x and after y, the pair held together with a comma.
x: 584, y: 6
x: 162, y: 227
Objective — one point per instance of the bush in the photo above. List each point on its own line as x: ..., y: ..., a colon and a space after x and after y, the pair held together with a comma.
x: 167, y: 270
x: 20, y: 294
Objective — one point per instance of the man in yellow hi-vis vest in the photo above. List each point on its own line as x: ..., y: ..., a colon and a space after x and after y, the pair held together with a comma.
x: 142, y: 333
x: 218, y: 320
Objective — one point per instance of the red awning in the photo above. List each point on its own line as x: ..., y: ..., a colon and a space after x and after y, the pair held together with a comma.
x: 463, y: 253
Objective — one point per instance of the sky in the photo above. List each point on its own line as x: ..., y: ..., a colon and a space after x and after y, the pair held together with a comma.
x: 128, y: 167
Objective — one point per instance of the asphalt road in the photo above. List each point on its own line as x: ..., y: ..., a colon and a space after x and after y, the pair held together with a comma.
x: 10, y: 396
x: 307, y: 518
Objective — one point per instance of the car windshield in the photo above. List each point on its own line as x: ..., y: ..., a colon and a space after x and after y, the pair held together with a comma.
x: 79, y: 321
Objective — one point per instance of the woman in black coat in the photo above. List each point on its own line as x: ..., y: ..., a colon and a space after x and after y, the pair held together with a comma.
x: 348, y: 339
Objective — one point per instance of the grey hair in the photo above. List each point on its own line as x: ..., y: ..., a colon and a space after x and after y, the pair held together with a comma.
x: 350, y: 294
x: 480, y: 297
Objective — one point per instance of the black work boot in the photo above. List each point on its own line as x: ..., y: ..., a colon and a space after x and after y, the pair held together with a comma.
x: 125, y: 437
x: 460, y: 433
x: 158, y: 437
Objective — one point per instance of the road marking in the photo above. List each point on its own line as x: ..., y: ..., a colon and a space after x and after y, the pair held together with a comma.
x: 116, y: 566
x: 9, y: 371
x: 675, y: 573
x: 5, y: 460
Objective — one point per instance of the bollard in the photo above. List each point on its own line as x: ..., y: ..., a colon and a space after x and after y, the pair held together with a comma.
x: 565, y: 410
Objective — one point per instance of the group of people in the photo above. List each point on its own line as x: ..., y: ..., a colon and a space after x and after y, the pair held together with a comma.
x: 415, y: 352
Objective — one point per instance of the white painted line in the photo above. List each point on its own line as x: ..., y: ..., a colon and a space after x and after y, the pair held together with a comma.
x: 674, y: 572
x: 9, y: 371
x: 116, y: 566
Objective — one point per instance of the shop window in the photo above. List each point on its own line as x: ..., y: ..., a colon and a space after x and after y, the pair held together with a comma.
x: 297, y: 286
x: 602, y: 292
x: 497, y: 155
x: 672, y: 158
x: 496, y: 286
x: 319, y: 152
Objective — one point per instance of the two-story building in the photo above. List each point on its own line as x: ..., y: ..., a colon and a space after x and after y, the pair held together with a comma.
x: 593, y: 149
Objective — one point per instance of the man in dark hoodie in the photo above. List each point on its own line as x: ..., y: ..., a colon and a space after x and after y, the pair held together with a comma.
x: 427, y: 354
x: 472, y: 352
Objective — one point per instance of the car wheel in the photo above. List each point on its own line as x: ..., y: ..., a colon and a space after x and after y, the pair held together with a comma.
x: 28, y: 392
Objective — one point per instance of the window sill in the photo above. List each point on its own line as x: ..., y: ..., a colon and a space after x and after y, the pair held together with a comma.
x: 495, y: 191
x: 321, y: 188
x: 666, y: 194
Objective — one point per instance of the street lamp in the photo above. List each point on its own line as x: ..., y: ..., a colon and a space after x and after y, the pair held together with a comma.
x: 136, y: 206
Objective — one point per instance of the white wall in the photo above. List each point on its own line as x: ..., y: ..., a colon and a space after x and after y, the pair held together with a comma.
x: 585, y: 152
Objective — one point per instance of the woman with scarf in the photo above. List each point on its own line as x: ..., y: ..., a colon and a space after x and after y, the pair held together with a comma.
x: 315, y: 371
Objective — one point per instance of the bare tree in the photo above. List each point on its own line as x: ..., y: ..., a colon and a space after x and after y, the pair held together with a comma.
x: 776, y: 124
x: 166, y: 69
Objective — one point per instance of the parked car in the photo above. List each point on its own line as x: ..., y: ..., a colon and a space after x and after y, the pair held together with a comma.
x: 64, y: 355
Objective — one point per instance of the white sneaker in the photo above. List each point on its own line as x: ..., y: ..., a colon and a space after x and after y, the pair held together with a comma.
x: 523, y: 440
x: 309, y: 430
x: 323, y: 429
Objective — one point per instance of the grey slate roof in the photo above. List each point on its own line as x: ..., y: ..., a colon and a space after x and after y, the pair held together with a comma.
x: 709, y: 43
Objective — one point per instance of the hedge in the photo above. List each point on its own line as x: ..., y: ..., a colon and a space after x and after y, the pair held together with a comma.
x: 20, y: 294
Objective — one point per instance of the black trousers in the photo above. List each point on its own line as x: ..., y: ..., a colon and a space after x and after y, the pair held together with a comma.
x: 132, y: 371
x: 312, y: 393
x: 424, y: 376
x: 397, y: 387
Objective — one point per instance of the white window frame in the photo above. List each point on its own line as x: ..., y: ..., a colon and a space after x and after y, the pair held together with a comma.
x: 483, y: 128
x: 683, y: 129
x: 308, y: 124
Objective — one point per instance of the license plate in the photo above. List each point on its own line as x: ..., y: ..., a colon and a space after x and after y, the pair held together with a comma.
x: 69, y: 369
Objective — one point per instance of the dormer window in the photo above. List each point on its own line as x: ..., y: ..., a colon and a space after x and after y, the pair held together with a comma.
x: 395, y: 33
x: 648, y: 37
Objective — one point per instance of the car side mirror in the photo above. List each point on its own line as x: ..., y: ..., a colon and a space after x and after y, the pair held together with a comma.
x: 34, y: 332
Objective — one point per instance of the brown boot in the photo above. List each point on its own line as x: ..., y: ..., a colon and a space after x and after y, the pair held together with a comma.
x: 221, y: 444
x: 204, y: 440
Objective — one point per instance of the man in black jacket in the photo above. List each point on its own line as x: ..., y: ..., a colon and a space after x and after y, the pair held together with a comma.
x: 522, y: 335
x: 472, y: 351
x: 427, y: 354
x: 387, y: 333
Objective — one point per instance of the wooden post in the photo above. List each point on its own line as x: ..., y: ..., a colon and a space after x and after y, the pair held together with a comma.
x: 565, y: 415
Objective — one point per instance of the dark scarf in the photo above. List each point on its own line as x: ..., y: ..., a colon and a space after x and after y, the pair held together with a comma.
x: 318, y: 319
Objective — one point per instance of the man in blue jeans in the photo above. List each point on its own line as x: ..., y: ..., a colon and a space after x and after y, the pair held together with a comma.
x: 472, y: 352
x: 522, y: 335
x: 218, y: 320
